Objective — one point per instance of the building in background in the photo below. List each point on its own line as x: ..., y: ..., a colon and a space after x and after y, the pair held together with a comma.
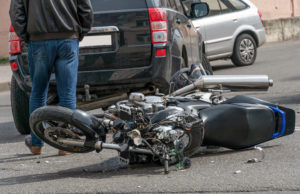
x: 270, y: 9
x: 275, y: 9
x: 4, y: 27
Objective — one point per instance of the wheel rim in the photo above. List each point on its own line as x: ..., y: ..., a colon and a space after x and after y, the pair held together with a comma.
x: 247, y: 50
x: 54, y: 130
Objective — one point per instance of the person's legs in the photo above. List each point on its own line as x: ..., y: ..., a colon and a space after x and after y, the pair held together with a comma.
x: 66, y: 68
x: 40, y: 60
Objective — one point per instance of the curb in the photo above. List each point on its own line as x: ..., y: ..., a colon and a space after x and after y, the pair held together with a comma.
x: 4, y: 87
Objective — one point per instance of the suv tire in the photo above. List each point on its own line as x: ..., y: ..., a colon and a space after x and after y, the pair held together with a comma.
x: 245, y: 50
x: 206, y: 65
x: 20, y: 107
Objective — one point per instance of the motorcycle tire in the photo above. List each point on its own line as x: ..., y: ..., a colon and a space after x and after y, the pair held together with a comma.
x: 62, y: 116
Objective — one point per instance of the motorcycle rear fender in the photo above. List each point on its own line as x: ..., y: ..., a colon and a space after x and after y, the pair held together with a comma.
x: 290, y: 115
x: 242, y: 122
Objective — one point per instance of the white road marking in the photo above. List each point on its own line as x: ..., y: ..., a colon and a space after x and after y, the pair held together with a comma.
x: 297, y: 129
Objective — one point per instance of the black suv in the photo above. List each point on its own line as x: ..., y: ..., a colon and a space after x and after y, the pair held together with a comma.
x: 134, y: 45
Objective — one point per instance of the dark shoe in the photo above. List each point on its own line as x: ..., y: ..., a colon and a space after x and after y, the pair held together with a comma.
x: 35, y: 150
x: 63, y: 153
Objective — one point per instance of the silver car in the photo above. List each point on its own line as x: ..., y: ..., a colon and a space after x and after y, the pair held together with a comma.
x: 232, y: 29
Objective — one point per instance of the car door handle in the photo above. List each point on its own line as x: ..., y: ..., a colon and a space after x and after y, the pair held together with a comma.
x: 189, y: 25
x: 235, y: 20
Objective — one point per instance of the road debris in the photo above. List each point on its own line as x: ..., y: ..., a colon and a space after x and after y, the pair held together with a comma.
x: 256, y: 160
x: 253, y: 160
x: 238, y: 172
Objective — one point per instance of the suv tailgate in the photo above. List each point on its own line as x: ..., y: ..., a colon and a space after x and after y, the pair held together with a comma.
x: 120, y: 37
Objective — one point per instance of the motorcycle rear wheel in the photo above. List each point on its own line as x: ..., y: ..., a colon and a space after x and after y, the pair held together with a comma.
x: 54, y: 123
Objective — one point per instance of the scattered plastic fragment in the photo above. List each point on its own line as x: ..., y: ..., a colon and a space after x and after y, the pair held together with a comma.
x: 212, y: 161
x: 261, y: 151
x: 253, y: 160
x: 139, y: 186
x: 47, y: 162
x: 256, y: 160
x: 238, y: 172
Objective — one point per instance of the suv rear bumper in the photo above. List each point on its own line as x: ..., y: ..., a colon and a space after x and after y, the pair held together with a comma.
x: 157, y: 74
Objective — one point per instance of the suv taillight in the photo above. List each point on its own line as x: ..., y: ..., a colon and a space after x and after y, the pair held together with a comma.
x: 260, y: 15
x: 158, y: 25
x: 14, y: 42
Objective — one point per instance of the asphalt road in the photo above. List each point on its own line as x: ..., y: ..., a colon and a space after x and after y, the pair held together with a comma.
x: 210, y: 172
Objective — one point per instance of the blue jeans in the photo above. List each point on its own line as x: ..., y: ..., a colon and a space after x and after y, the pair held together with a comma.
x: 44, y: 56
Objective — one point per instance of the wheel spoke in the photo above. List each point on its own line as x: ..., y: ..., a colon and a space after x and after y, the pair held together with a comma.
x: 247, y: 42
x: 244, y: 54
x: 243, y: 44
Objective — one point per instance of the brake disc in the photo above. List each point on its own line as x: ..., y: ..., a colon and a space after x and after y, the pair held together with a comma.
x: 53, y: 133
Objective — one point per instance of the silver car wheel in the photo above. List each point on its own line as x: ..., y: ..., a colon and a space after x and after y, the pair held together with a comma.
x: 247, y: 50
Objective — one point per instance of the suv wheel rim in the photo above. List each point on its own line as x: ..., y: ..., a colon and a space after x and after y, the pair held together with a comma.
x: 247, y: 50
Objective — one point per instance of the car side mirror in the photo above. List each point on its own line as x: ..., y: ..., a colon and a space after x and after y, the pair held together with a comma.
x: 199, y: 10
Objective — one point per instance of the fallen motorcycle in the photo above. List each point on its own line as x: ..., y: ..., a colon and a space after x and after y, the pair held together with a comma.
x: 170, y: 128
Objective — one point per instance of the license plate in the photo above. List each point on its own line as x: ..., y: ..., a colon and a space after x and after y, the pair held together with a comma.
x: 96, y: 41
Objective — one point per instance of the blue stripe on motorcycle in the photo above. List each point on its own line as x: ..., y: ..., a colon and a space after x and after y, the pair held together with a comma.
x: 277, y: 110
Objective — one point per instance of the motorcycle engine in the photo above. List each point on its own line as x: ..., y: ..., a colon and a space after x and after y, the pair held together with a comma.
x: 147, y: 123
x: 137, y: 102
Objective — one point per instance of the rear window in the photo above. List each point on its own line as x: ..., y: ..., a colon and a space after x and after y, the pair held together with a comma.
x: 217, y: 7
x: 107, y: 5
x: 159, y: 3
x: 238, y: 5
x: 172, y: 4
x: 232, y: 5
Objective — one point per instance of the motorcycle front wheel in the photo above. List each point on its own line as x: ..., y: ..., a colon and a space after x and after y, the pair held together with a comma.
x: 54, y: 125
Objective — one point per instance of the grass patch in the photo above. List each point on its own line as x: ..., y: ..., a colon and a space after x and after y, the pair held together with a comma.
x: 4, y: 60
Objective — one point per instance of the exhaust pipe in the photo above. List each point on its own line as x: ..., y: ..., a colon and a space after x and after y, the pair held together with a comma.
x: 231, y: 82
